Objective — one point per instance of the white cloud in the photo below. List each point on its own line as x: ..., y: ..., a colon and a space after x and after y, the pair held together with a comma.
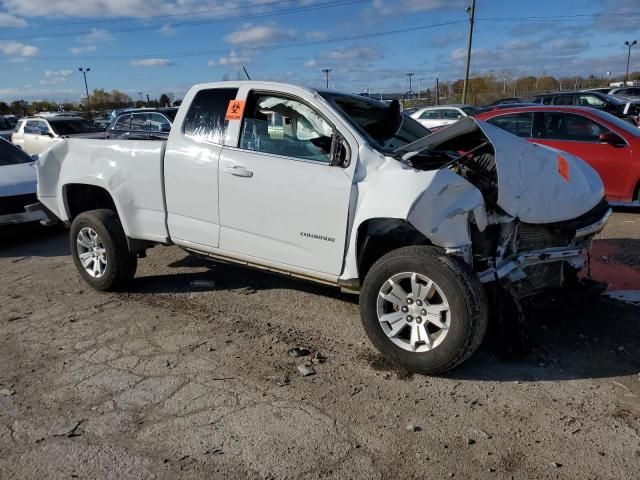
x: 254, y: 34
x: 167, y: 30
x: 387, y: 7
x: 84, y: 49
x: 570, y: 45
x: 96, y: 35
x: 55, y: 77
x: 311, y: 63
x: 151, y: 62
x: 8, y: 21
x: 11, y: 48
x: 316, y: 35
x: 233, y: 59
x: 355, y: 53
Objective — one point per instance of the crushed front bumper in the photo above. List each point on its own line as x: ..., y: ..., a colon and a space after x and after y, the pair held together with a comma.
x: 512, y: 269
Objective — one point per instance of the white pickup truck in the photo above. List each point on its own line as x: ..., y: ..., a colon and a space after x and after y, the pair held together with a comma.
x: 342, y: 190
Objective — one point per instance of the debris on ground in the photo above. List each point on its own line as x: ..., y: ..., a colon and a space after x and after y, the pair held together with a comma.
x: 203, y: 283
x: 306, y: 370
x: 7, y: 392
x: 413, y: 428
x: 299, y: 352
x: 246, y: 291
x: 318, y: 358
x: 66, y: 429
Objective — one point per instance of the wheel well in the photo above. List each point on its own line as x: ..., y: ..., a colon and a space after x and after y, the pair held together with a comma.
x: 80, y: 198
x: 378, y: 236
x: 636, y: 193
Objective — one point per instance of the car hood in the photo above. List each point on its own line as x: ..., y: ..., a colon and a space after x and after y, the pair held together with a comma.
x: 17, y: 179
x: 536, y: 183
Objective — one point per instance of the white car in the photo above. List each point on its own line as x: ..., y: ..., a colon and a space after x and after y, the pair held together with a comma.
x: 35, y: 134
x: 342, y: 190
x: 17, y: 186
x: 434, y: 117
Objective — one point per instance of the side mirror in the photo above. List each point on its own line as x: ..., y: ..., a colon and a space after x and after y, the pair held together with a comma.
x: 460, y: 116
x: 340, y: 156
x: 611, y: 138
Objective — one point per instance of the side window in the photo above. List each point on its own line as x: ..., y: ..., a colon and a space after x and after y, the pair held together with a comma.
x: 569, y: 126
x: 590, y: 101
x: 519, y: 124
x: 138, y: 122
x: 205, y: 118
x: 123, y: 123
x: 546, y: 100
x: 159, y: 123
x: 563, y: 100
x: 36, y: 127
x: 431, y: 115
x: 450, y: 114
x: 283, y: 126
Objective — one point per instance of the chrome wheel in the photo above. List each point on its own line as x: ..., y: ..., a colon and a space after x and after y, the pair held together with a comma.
x: 91, y: 252
x: 413, y: 312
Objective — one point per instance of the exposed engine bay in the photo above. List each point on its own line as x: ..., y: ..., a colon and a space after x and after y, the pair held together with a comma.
x: 523, y: 257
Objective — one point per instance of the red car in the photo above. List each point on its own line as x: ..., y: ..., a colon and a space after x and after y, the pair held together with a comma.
x: 610, y: 145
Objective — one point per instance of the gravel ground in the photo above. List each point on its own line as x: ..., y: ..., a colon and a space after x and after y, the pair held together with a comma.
x: 183, y: 380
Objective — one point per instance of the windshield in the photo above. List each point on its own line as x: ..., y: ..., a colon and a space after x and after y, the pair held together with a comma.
x: 10, y: 155
x: 70, y: 127
x: 377, y: 121
x: 469, y: 110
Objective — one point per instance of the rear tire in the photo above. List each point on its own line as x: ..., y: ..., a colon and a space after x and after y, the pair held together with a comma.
x: 441, y: 320
x: 106, y: 264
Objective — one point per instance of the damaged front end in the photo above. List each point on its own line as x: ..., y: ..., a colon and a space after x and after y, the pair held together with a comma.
x: 541, y: 208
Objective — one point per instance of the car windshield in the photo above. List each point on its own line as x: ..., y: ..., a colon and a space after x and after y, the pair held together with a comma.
x: 70, y: 127
x: 469, y: 110
x: 377, y: 121
x: 620, y: 123
x: 10, y: 155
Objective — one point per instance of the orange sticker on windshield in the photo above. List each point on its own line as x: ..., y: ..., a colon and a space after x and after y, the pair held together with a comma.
x: 563, y: 168
x: 234, y: 110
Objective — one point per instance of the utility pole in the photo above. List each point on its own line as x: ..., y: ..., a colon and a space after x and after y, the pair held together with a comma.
x: 86, y: 88
x: 326, y: 72
x: 437, y: 91
x: 140, y: 95
x: 629, y: 45
x: 148, y: 101
x: 411, y: 74
x: 419, y: 89
x: 472, y: 15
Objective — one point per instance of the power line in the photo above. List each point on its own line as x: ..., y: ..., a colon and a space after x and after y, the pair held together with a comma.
x: 252, y: 49
x: 320, y: 6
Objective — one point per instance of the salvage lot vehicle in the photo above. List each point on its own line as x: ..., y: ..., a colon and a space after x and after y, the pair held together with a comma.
x: 435, y: 117
x: 609, y: 144
x: 142, y: 124
x: 619, y: 107
x: 35, y: 134
x: 342, y: 190
x: 6, y: 128
x: 17, y: 185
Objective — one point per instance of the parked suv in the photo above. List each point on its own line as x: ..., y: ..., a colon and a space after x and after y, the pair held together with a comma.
x: 35, y: 134
x: 142, y: 124
x: 600, y: 101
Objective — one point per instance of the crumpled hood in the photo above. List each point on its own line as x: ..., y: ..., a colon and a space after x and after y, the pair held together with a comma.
x: 17, y: 179
x: 536, y: 184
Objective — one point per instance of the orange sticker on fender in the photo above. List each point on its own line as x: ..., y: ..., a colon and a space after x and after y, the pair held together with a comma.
x: 235, y: 110
x: 563, y: 168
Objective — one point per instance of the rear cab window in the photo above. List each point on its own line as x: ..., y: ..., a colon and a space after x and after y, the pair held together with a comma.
x: 205, y: 119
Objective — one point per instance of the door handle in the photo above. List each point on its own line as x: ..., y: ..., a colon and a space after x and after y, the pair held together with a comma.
x: 239, y: 171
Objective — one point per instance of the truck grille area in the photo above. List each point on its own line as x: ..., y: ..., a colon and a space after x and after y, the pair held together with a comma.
x: 16, y: 203
x: 560, y: 234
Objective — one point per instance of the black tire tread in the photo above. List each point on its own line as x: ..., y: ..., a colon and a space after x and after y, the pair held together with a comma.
x: 124, y: 265
x: 477, y: 305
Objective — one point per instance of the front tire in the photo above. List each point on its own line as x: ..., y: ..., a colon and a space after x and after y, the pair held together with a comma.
x: 423, y: 310
x: 99, y: 249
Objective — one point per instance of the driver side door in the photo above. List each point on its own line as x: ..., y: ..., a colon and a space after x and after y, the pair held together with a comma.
x: 281, y: 200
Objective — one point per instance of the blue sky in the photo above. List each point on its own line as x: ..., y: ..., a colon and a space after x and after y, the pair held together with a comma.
x: 155, y: 46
